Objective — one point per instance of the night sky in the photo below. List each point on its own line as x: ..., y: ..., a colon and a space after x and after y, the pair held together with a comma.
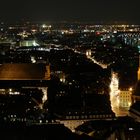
x: 71, y: 10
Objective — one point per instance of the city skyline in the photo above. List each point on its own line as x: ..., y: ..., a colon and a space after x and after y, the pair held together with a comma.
x: 72, y: 76
x: 86, y: 11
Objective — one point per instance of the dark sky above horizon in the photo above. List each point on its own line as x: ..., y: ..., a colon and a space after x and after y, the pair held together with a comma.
x: 71, y: 10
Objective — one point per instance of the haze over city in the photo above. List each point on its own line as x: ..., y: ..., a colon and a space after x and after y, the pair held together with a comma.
x: 96, y: 11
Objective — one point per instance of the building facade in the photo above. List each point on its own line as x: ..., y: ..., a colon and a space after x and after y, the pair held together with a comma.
x: 125, y: 98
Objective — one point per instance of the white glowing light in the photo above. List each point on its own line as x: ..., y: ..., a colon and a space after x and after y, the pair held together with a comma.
x: 33, y: 59
x: 44, y: 98
x: 10, y: 90
x: 130, y: 89
x: 14, y: 93
x: 115, y: 32
x: 114, y: 91
x: 88, y: 53
x: 35, y: 44
x: 44, y: 26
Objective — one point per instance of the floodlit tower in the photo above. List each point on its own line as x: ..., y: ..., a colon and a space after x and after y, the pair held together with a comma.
x: 114, y: 91
x: 114, y: 84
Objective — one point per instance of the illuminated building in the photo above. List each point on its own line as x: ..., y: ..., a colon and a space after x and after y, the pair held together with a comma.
x: 73, y: 121
x: 125, y: 98
x: 45, y: 28
x: 24, y: 75
x: 114, y: 90
x: 88, y: 53
x: 28, y: 43
x: 61, y: 75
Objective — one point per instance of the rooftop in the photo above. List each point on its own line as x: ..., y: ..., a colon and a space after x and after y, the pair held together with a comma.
x: 24, y: 71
